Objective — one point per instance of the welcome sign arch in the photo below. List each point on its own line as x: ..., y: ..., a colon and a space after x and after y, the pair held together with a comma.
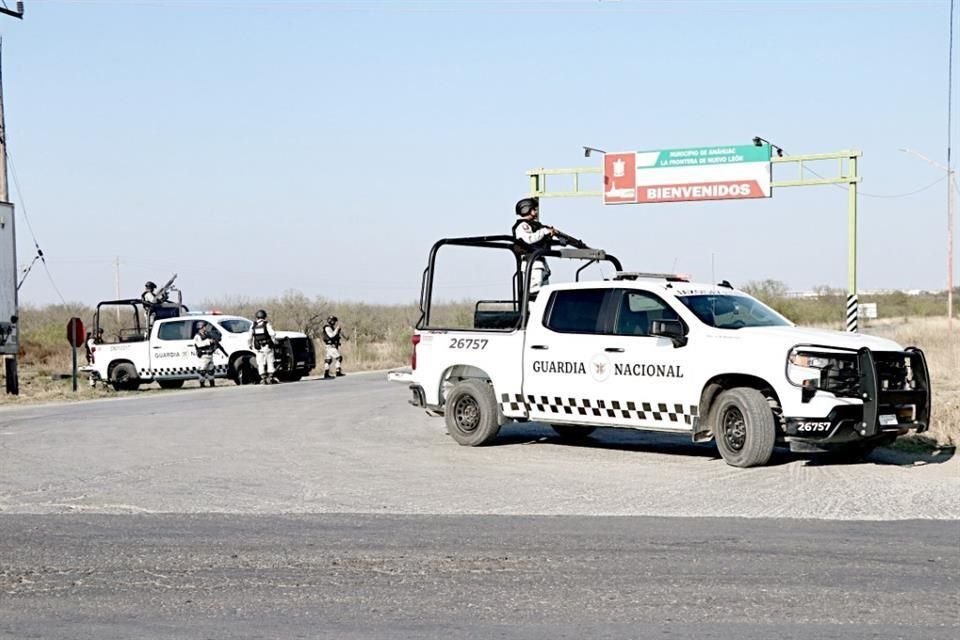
x: 724, y: 172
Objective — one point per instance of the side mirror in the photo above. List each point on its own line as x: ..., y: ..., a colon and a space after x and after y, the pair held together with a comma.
x: 672, y: 329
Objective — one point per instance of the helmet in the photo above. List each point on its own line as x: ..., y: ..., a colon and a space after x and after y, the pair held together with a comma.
x: 526, y: 206
x: 331, y: 319
x: 261, y: 315
x: 150, y: 285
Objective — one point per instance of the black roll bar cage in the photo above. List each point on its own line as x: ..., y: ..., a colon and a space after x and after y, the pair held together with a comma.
x: 521, y: 280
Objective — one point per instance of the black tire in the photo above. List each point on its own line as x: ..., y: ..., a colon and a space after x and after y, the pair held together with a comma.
x: 245, y: 370
x: 124, y: 377
x: 571, y: 432
x: 471, y: 413
x: 744, y: 427
x: 288, y: 376
x: 170, y: 384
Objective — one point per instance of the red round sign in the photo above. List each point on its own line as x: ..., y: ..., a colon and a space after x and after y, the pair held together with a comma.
x: 76, y: 334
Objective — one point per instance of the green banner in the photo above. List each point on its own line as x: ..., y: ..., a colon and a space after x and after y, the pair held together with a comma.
x: 703, y: 156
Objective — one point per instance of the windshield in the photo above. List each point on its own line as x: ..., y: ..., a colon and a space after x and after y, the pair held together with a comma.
x: 732, y: 311
x: 236, y: 325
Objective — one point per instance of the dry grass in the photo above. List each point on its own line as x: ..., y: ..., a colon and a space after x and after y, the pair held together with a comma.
x: 380, y: 339
x: 942, y: 349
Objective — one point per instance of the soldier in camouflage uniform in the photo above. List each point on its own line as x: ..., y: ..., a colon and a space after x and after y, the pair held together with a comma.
x: 262, y: 340
x: 532, y: 234
x: 206, y: 346
x: 332, y: 336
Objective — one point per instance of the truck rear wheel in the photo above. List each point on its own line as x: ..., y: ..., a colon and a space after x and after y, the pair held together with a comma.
x: 170, y: 384
x: 244, y: 370
x: 471, y: 413
x: 744, y: 427
x: 124, y: 377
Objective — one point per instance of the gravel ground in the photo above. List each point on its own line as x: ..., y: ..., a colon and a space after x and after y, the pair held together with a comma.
x: 354, y: 445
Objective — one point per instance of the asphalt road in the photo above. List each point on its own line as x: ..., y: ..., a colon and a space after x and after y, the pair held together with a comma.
x: 334, y: 509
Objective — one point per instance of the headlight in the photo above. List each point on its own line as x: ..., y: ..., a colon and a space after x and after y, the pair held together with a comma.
x: 833, y: 372
x: 809, y: 360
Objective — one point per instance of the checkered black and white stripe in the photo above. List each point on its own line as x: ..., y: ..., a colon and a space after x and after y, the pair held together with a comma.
x: 172, y: 372
x: 624, y: 410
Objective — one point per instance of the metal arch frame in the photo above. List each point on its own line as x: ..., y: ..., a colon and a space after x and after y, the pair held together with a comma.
x: 848, y: 173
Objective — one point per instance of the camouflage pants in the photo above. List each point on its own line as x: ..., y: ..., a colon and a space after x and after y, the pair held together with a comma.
x: 205, y: 369
x: 265, y: 361
x: 539, y: 274
x: 333, y: 353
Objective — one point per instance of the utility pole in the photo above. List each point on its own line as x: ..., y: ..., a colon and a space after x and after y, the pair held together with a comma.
x: 9, y: 324
x: 116, y: 274
x: 951, y: 199
x: 11, y: 340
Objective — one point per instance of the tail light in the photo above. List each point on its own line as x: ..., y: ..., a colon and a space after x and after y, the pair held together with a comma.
x: 415, y: 339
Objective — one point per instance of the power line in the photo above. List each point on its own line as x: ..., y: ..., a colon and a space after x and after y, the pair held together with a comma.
x: 860, y: 192
x: 580, y: 6
x: 23, y: 210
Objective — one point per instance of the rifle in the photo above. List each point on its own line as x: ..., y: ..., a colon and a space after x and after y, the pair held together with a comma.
x: 164, y: 291
x: 217, y: 347
x: 564, y: 239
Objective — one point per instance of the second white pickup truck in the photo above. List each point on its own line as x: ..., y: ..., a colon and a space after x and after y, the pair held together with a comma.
x: 163, y: 352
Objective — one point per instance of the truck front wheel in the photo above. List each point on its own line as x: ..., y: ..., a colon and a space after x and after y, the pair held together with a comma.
x: 744, y: 427
x: 471, y: 413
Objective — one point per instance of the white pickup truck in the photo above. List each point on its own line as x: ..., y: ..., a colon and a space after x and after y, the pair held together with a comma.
x: 132, y: 354
x: 653, y: 351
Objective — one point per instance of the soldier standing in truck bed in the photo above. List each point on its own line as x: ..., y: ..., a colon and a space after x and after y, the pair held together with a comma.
x: 532, y: 234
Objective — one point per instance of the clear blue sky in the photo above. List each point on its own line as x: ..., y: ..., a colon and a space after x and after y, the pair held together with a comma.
x: 262, y: 146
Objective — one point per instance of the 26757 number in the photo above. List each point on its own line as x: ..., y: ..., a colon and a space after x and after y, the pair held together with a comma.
x: 468, y: 343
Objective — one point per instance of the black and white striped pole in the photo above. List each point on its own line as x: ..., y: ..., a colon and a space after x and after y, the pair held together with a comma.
x: 853, y: 303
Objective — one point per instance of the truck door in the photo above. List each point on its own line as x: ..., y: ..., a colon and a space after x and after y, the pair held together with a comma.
x: 650, y: 380
x: 172, y: 354
x: 565, y: 366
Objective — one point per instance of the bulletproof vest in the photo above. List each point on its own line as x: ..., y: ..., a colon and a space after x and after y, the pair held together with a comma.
x: 261, y: 337
x: 333, y: 340
x: 535, y: 225
x: 206, y: 349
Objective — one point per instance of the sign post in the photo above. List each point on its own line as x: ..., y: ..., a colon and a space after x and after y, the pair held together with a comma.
x: 75, y: 336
